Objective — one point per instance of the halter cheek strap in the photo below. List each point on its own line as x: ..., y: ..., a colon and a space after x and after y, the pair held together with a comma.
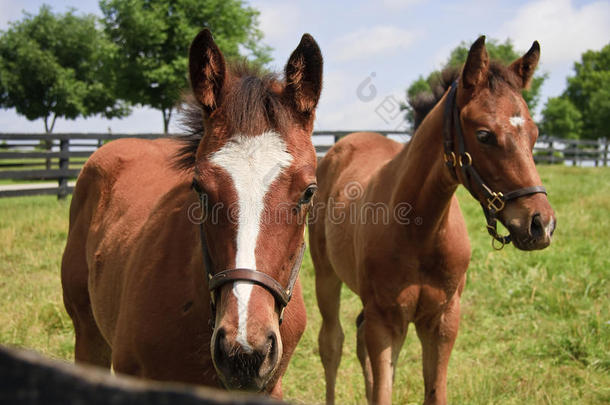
x: 494, y: 201
x: 281, y: 294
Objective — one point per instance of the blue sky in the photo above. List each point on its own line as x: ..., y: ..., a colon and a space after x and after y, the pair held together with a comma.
x: 374, y: 49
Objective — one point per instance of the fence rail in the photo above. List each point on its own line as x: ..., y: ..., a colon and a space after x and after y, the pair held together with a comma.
x: 59, y: 157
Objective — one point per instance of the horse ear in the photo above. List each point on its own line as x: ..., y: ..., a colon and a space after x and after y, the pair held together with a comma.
x: 476, y: 65
x: 525, y: 66
x: 207, y: 70
x: 304, y: 75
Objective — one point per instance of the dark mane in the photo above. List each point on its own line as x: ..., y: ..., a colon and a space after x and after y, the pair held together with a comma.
x: 251, y: 104
x: 423, y: 103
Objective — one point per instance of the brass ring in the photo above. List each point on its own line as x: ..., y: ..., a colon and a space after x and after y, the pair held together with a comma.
x: 466, y: 154
x: 495, y: 246
x: 450, y: 158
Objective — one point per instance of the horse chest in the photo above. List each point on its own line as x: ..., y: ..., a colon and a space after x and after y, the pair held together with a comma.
x: 415, y: 285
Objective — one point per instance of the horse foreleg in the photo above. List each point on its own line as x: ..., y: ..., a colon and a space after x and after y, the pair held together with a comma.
x: 384, y: 335
x: 437, y: 337
x: 330, y: 339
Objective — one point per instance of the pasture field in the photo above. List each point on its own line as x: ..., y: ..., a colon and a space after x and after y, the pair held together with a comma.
x: 535, y: 325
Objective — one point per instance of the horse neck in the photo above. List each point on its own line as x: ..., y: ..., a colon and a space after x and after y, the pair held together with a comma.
x: 423, y: 180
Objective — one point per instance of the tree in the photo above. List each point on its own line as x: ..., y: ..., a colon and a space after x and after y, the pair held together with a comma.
x: 53, y: 65
x: 153, y: 38
x: 589, y: 91
x: 503, y: 52
x: 561, y: 119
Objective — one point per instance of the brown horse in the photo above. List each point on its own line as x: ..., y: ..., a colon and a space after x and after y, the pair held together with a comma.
x: 156, y: 295
x: 480, y: 135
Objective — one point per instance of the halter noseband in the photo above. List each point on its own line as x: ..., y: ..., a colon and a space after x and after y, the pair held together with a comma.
x: 495, y: 200
x: 281, y: 294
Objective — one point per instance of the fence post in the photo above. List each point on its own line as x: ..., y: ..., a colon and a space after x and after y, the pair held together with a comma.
x: 576, y: 155
x: 605, y: 151
x: 598, y: 149
x: 64, y: 164
x: 552, y: 159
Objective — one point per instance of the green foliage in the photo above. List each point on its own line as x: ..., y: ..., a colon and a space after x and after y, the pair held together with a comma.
x: 153, y: 37
x: 561, y: 119
x: 589, y: 91
x: 55, y: 65
x: 534, y: 326
x: 503, y: 52
x: 420, y: 85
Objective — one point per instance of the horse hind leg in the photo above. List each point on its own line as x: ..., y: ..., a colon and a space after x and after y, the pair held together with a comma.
x: 363, y: 356
x: 330, y: 338
x: 90, y: 346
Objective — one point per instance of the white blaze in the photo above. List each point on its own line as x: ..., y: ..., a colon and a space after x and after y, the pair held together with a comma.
x: 516, y: 121
x: 253, y: 162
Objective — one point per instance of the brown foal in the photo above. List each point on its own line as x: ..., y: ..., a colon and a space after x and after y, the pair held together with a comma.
x: 200, y: 286
x: 481, y: 135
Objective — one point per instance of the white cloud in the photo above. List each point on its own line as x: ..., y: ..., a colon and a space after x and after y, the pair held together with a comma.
x: 342, y: 108
x: 563, y: 29
x: 370, y: 42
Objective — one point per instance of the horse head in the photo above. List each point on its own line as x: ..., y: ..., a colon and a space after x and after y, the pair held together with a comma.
x: 254, y: 171
x: 493, y: 158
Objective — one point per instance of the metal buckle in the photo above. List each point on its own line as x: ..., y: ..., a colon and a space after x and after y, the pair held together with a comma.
x: 496, y: 202
x: 467, y: 155
x: 450, y: 159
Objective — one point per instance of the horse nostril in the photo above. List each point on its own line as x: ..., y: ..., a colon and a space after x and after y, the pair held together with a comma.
x: 536, y: 227
x: 272, y: 344
x: 220, y: 347
x: 270, y: 355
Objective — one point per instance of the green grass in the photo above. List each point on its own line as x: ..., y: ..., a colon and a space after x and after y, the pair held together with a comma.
x: 535, y: 326
x: 33, y: 233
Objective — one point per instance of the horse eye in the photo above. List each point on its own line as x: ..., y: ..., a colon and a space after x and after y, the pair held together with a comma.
x: 486, y: 137
x: 308, y: 194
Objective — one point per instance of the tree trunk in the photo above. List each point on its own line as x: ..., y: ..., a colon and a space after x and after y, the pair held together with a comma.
x: 48, y: 144
x: 167, y: 116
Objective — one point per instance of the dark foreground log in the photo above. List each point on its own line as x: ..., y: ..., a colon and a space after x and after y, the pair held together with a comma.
x: 28, y: 378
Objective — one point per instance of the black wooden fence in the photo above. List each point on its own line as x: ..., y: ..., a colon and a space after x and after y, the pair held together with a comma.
x: 30, y: 379
x: 59, y: 157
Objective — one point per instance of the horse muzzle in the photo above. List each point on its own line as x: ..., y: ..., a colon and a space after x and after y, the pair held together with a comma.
x: 246, y: 367
x: 534, y: 232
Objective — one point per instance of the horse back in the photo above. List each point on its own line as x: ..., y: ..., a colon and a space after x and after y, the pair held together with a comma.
x: 354, y: 157
x: 116, y: 195
x: 343, y: 176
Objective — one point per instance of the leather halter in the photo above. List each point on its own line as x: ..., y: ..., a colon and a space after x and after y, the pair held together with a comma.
x: 281, y: 294
x: 495, y: 201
